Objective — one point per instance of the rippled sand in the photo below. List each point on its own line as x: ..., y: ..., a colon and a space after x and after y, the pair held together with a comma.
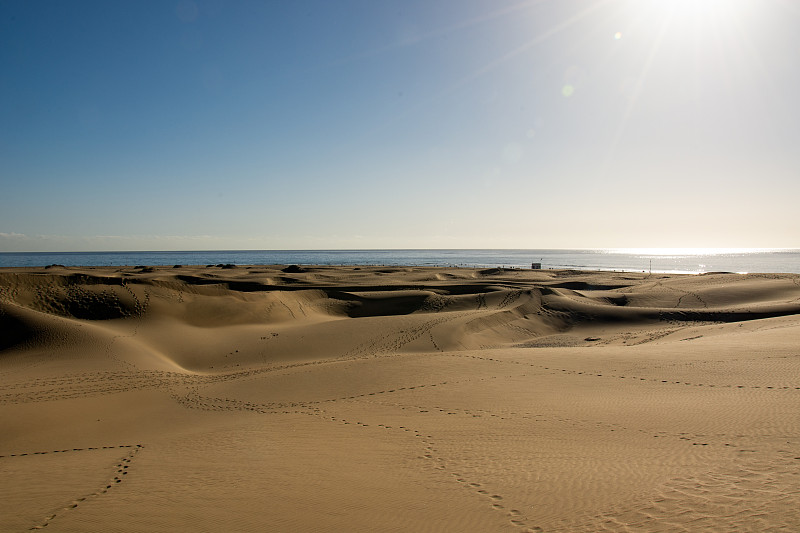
x: 397, y: 399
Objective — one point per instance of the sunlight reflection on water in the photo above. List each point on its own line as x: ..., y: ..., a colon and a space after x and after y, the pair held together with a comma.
x: 633, y: 260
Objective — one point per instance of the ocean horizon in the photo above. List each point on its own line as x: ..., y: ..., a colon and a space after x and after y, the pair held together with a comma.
x: 688, y: 261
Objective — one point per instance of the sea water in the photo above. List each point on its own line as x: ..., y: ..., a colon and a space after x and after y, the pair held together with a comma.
x: 664, y: 261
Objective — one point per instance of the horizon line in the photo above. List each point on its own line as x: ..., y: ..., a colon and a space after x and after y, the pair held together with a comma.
x: 621, y: 250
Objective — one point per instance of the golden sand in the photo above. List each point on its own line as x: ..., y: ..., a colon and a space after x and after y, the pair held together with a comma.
x: 397, y: 399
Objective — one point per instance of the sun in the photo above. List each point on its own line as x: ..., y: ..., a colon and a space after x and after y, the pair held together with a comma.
x: 694, y: 12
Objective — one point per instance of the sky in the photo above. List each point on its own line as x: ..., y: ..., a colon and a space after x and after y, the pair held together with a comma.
x: 338, y: 124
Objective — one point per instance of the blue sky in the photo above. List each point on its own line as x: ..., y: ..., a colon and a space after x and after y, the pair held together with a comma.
x: 399, y: 124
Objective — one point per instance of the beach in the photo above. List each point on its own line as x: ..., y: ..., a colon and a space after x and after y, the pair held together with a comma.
x: 345, y: 398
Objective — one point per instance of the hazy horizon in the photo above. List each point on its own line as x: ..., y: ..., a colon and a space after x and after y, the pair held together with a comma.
x: 642, y: 250
x: 542, y: 124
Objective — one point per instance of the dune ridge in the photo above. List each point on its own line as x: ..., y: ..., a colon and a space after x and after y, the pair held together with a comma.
x: 396, y: 399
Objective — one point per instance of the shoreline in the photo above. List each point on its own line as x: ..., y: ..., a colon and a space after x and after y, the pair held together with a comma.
x: 230, y: 266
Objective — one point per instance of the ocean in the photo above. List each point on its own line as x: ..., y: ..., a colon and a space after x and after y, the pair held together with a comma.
x: 664, y: 261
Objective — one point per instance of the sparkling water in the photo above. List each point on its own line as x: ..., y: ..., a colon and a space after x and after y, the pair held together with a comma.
x: 667, y: 261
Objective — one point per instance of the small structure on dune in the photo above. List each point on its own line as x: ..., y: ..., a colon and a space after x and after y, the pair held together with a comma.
x: 536, y: 266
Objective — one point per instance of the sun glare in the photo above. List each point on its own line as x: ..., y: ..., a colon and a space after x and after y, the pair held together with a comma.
x: 704, y: 15
x: 688, y: 251
x: 691, y: 8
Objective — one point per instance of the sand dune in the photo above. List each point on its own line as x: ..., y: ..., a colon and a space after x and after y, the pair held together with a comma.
x: 397, y: 399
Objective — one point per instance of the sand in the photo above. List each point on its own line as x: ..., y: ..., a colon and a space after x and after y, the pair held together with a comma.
x: 397, y: 399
